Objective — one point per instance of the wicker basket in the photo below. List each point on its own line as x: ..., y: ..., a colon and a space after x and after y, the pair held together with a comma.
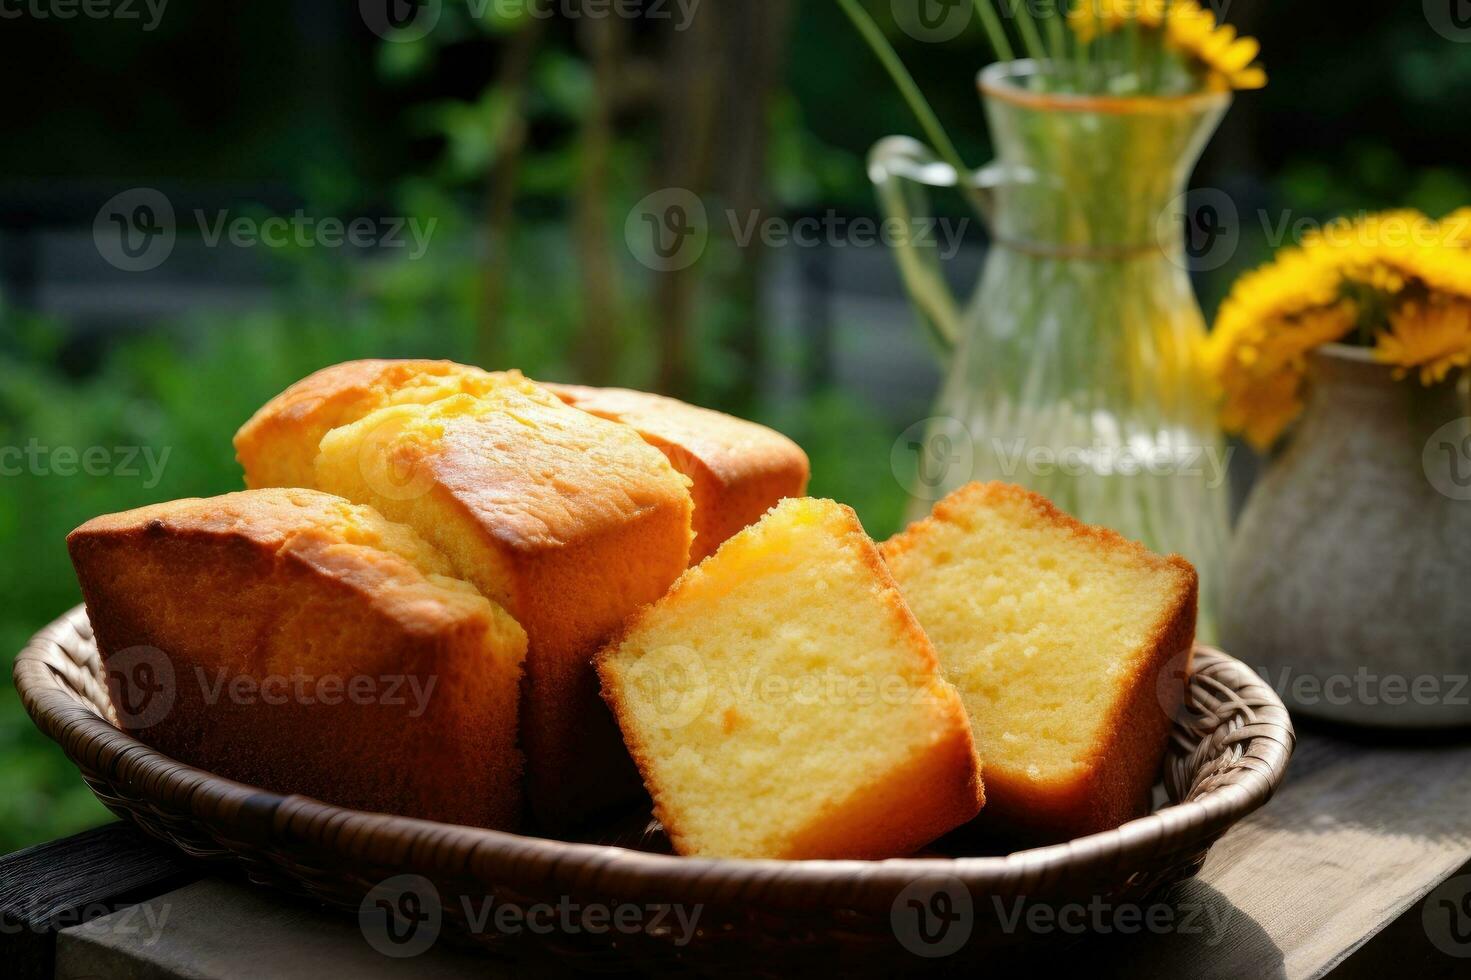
x: 1228, y: 755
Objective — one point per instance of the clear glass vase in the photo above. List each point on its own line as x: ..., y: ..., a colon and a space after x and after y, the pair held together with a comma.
x: 1076, y: 369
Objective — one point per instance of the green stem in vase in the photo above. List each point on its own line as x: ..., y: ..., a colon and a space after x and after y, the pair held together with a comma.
x: 1111, y: 59
x: 1153, y: 62
x: 1057, y: 41
x: 1157, y: 50
x: 995, y: 30
x: 1026, y: 25
x: 1134, y: 55
x: 1102, y: 50
x: 928, y: 121
x: 1084, y: 58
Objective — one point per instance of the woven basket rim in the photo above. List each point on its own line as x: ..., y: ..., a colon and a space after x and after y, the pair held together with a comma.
x: 260, y: 819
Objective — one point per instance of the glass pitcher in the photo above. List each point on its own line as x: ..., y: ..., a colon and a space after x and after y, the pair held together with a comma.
x: 1076, y: 369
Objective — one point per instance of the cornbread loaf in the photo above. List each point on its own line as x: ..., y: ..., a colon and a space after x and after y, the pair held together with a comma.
x: 782, y: 702
x: 1059, y: 637
x: 737, y: 469
x: 290, y: 640
x: 569, y: 521
x: 278, y: 446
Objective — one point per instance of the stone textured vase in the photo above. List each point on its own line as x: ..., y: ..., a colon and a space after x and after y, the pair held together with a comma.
x: 1348, y: 582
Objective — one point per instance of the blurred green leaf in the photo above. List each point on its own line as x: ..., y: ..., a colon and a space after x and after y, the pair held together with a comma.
x: 406, y: 59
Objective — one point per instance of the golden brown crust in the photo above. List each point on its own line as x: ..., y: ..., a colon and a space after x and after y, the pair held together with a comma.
x: 1127, y: 759
x: 569, y: 520
x: 554, y: 529
x: 954, y: 507
x: 1114, y: 784
x: 581, y: 765
x: 540, y: 477
x: 392, y: 560
x: 949, y: 778
x: 302, y: 657
x: 738, y: 469
x: 889, y: 593
x: 881, y: 820
x: 610, y: 690
x: 277, y: 445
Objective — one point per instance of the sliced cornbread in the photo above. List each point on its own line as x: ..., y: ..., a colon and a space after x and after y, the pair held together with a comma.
x: 782, y: 702
x: 290, y: 640
x: 278, y: 446
x: 1058, y: 636
x: 737, y: 469
x: 569, y: 521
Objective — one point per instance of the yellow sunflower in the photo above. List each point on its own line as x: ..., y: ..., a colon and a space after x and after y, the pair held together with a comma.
x: 1262, y: 377
x: 1290, y: 289
x: 1189, y: 28
x: 1089, y: 18
x: 1433, y: 338
x: 1398, y: 275
x: 1393, y: 250
x: 1260, y: 407
x: 1229, y: 60
x: 1457, y: 228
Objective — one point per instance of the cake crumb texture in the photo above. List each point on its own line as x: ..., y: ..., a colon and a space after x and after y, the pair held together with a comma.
x: 782, y: 702
x: 1067, y: 644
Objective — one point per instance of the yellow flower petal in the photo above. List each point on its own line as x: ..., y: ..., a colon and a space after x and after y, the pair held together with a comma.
x: 1431, y: 338
x: 1240, y: 54
x: 1398, y: 273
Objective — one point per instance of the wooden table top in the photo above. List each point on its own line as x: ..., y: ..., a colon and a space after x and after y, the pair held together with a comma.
x: 1362, y: 864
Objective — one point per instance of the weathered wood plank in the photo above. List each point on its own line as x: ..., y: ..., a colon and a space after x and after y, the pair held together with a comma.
x: 220, y: 930
x: 1405, y: 947
x: 58, y: 884
x: 1356, y: 838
